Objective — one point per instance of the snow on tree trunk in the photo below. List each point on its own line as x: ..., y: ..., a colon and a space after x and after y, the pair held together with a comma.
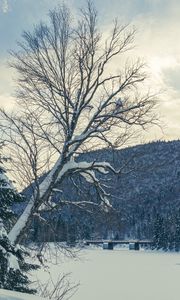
x: 54, y: 177
x: 21, y: 224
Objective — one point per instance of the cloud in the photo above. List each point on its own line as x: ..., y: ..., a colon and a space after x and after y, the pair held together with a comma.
x: 171, y: 77
x: 4, y: 6
x: 157, y: 23
x: 7, y: 101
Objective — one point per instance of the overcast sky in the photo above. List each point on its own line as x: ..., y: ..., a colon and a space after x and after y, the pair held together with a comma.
x: 157, y: 41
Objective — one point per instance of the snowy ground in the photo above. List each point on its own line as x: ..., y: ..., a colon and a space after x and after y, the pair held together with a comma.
x: 10, y: 295
x: 122, y: 274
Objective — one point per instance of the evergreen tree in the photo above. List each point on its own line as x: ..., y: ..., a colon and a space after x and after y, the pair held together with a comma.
x: 170, y: 232
x: 8, y: 197
x: 160, y: 234
x: 13, y: 267
x: 177, y: 232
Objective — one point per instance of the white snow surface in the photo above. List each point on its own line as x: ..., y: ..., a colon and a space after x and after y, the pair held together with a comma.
x: 84, y: 165
x: 25, y: 215
x: 13, y: 262
x: 10, y: 295
x: 21, y: 222
x: 89, y: 176
x: 4, y: 181
x: 120, y: 274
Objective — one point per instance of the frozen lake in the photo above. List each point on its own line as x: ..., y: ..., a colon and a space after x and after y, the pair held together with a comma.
x: 123, y: 275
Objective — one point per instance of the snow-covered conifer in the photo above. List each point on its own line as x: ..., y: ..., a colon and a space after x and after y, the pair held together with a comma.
x: 160, y: 234
x: 8, y: 197
x: 13, y: 267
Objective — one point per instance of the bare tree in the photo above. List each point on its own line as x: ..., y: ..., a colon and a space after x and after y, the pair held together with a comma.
x: 69, y: 102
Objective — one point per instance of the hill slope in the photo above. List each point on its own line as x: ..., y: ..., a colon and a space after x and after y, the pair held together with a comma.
x: 148, y: 186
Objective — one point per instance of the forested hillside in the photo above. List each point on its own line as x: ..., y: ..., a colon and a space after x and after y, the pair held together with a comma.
x: 146, y: 189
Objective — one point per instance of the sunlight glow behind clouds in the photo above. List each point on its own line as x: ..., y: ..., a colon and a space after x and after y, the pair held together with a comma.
x: 157, y: 23
x: 158, y: 64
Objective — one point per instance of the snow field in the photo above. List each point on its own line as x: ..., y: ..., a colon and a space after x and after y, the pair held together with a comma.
x: 120, y: 274
x: 10, y: 295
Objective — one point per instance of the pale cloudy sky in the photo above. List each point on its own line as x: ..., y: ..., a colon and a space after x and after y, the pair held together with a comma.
x: 157, y: 41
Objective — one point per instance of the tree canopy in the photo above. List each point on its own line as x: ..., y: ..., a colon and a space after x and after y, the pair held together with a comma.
x: 70, y: 101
